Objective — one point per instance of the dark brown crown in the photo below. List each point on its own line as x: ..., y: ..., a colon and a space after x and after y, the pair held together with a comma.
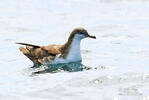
x: 80, y: 31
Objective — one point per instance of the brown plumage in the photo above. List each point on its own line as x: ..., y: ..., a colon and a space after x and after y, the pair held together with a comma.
x: 45, y: 54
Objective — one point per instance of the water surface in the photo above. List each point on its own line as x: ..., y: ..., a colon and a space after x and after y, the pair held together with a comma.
x: 118, y: 58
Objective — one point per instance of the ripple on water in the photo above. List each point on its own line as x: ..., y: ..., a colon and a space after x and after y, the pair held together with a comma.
x: 133, y: 90
x: 124, y: 78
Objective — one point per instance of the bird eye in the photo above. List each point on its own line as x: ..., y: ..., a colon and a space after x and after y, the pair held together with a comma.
x: 82, y: 32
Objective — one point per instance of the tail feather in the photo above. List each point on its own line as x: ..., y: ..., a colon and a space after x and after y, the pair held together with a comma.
x: 36, y: 46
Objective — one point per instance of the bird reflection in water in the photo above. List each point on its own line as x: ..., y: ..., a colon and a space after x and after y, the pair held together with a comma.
x: 69, y: 67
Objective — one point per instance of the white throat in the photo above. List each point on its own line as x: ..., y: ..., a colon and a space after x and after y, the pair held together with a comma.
x: 75, y: 52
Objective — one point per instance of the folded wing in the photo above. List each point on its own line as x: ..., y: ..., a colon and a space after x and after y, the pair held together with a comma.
x: 40, y: 54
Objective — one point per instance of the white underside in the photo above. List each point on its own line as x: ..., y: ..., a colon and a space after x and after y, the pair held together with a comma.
x: 74, y: 54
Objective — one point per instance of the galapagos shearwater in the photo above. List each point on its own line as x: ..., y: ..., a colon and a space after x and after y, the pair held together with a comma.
x: 55, y: 54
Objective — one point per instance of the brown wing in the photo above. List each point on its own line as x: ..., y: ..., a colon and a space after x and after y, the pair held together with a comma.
x: 52, y: 49
x: 40, y: 54
x: 48, y: 53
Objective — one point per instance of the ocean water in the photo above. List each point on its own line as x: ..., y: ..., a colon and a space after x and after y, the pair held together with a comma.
x: 117, y: 59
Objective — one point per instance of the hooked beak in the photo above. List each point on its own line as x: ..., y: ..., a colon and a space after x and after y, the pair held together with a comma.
x: 91, y: 36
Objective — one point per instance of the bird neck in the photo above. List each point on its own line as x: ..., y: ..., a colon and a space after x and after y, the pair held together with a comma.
x: 71, y: 49
x: 74, y: 53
